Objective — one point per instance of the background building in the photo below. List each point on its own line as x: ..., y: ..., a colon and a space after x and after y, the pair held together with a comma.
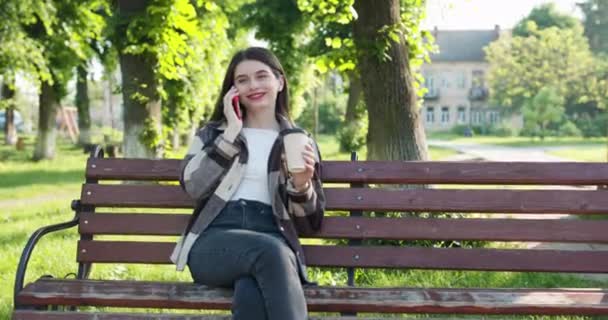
x: 458, y: 92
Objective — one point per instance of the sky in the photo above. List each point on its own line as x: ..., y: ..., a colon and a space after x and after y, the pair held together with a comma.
x: 485, y: 14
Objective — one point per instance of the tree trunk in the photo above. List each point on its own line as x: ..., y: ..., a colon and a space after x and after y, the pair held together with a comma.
x: 82, y: 104
x: 354, y: 96
x: 175, y: 138
x: 10, y: 131
x: 142, y: 106
x: 47, y: 128
x: 395, y: 128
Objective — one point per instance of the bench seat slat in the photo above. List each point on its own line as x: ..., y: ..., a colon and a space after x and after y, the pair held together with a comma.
x: 378, y: 257
x: 429, y: 200
x: 330, y: 299
x: 565, y: 230
x: 414, y: 172
x: 53, y: 315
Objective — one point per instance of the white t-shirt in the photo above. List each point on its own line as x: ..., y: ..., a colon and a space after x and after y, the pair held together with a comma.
x: 254, y: 185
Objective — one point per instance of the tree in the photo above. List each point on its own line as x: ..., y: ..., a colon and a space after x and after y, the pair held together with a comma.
x: 596, y: 29
x: 19, y: 54
x: 141, y: 100
x: 163, y: 46
x: 384, y: 44
x: 395, y: 127
x: 63, y: 31
x: 82, y: 104
x: 542, y: 17
x: 8, y: 103
x: 596, y: 24
x: 520, y: 67
x: 185, y: 105
x: 545, y: 108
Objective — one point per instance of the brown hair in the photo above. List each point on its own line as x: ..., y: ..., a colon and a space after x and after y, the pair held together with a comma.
x: 266, y: 57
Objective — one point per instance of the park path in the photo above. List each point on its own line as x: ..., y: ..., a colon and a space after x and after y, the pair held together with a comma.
x: 476, y: 151
x: 468, y: 151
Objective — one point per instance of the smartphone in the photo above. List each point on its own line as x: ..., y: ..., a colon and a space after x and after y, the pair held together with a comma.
x: 237, y: 109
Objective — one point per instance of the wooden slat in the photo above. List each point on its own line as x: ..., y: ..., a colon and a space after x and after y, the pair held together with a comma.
x: 428, y: 200
x: 449, y: 172
x: 54, y: 315
x: 133, y: 223
x: 487, y: 201
x: 58, y: 315
x: 329, y: 299
x: 564, y: 230
x: 132, y: 196
x: 400, y: 172
x: 133, y: 169
x: 379, y: 257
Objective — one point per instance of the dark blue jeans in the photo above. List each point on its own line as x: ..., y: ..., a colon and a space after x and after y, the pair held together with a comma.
x: 243, y: 249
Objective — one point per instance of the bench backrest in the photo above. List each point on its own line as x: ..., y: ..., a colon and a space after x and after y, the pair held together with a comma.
x: 453, y: 187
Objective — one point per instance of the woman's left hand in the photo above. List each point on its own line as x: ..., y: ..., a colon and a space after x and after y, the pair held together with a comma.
x: 302, y: 179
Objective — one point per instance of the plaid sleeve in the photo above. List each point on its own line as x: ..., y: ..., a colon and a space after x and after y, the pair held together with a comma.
x: 307, y: 207
x: 207, y: 160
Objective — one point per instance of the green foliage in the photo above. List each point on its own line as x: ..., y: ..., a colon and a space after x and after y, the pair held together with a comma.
x: 520, y: 67
x: 285, y: 28
x: 593, y: 125
x: 165, y: 31
x: 542, y: 17
x: 339, y: 11
x: 353, y: 136
x: 333, y: 47
x: 331, y: 113
x: 595, y: 85
x: 47, y: 39
x: 150, y: 135
x: 545, y: 108
x: 190, y: 43
x: 111, y: 135
x: 496, y: 130
x: 568, y: 129
x: 19, y: 52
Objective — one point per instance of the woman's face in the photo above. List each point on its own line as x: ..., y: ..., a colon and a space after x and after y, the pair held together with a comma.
x: 257, y: 85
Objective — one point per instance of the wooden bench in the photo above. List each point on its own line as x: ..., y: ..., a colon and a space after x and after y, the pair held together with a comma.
x: 57, y: 298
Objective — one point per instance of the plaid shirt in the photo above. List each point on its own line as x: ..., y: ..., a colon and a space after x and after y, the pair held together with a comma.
x: 212, y: 171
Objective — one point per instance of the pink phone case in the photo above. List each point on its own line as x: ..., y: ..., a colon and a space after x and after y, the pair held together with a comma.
x: 235, y: 105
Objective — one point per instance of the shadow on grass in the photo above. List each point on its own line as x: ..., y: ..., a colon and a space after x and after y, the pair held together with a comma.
x: 37, y: 176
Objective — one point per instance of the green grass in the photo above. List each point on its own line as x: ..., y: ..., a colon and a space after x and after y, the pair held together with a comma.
x: 520, y: 141
x: 330, y: 150
x: 584, y: 153
x: 33, y: 195
x: 23, y: 178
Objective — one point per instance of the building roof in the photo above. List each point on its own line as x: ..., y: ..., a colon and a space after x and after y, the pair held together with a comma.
x: 462, y: 45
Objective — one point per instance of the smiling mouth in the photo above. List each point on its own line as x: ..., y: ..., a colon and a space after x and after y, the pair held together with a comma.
x: 256, y: 96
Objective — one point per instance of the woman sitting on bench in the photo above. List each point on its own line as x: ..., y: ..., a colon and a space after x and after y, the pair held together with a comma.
x: 256, y: 181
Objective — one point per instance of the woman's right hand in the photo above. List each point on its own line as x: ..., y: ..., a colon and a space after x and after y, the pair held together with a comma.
x: 234, y: 123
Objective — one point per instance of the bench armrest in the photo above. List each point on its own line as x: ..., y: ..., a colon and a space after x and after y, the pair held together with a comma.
x: 29, y: 248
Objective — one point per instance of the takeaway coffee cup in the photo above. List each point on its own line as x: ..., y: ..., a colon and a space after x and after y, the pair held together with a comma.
x: 295, y: 143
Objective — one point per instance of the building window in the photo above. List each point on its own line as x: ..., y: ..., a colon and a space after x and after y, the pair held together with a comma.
x: 445, y: 115
x: 461, y: 80
x: 494, y: 116
x: 445, y: 79
x: 429, y: 81
x: 476, y: 117
x: 462, y: 115
x: 430, y: 114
